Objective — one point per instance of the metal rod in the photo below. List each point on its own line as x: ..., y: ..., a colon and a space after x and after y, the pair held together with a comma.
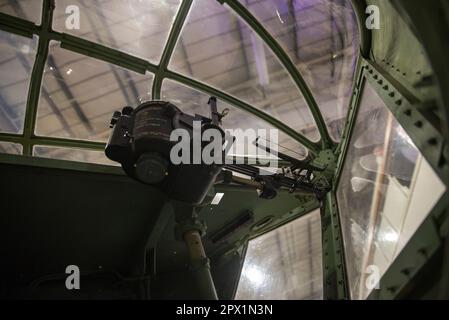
x: 200, y: 265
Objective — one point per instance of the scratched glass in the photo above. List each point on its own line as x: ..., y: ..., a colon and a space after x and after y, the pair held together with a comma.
x: 218, y: 48
x: 321, y: 38
x: 73, y: 154
x: 10, y: 148
x: 284, y: 263
x: 17, y: 56
x: 137, y: 27
x: 383, y: 194
x: 79, y: 95
x: 30, y: 10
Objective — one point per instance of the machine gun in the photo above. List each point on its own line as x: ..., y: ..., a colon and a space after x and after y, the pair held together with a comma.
x: 141, y: 142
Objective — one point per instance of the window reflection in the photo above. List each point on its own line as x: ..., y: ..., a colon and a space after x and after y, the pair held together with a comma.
x: 134, y: 26
x: 73, y: 154
x: 10, y: 148
x: 17, y: 56
x: 386, y: 190
x: 193, y: 101
x: 79, y: 95
x: 25, y: 9
x: 284, y: 263
x: 218, y: 48
x: 321, y: 38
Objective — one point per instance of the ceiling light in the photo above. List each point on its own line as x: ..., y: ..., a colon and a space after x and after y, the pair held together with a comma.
x: 391, y: 236
x: 254, y: 275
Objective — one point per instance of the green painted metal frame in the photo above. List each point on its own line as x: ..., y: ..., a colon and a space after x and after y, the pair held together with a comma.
x: 422, y: 247
x: 417, y: 14
x: 422, y: 131
x: 428, y: 138
x: 170, y: 47
x: 60, y: 164
x: 411, y: 113
x: 359, y: 7
x: 335, y: 279
x: 408, y: 111
x: 335, y: 282
x: 427, y: 134
x: 46, y: 34
x: 349, y: 125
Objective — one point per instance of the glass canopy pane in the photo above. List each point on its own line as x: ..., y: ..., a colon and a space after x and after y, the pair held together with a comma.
x: 195, y: 102
x: 321, y: 38
x: 10, y: 148
x: 79, y: 95
x: 134, y: 26
x: 383, y: 194
x: 17, y: 56
x: 73, y: 154
x: 30, y: 10
x: 218, y: 48
x: 284, y: 263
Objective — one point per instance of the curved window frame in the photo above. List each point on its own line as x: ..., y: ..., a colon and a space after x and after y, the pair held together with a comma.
x: 160, y: 71
x: 28, y: 139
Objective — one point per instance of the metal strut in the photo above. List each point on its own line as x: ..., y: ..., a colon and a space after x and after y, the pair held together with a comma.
x: 200, y: 265
x: 190, y: 229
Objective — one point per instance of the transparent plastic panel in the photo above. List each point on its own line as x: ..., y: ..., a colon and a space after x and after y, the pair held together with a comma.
x: 284, y: 263
x: 321, y: 38
x: 79, y: 95
x: 137, y: 27
x: 385, y: 192
x: 17, y: 56
x: 10, y: 148
x: 73, y: 154
x: 217, y: 48
x: 193, y: 102
x: 30, y: 10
